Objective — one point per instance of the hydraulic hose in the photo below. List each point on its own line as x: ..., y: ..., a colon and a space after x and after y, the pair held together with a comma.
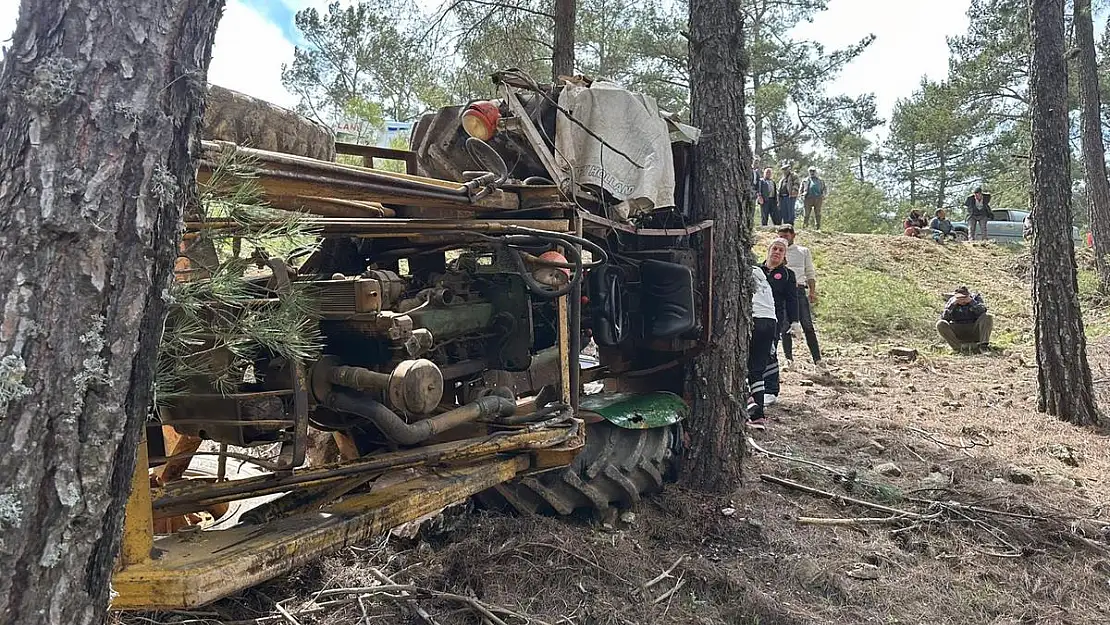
x: 539, y: 290
x: 484, y: 154
x: 600, y: 257
x: 399, y: 431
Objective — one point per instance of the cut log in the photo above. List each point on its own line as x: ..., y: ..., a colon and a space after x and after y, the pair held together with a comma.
x: 241, y: 119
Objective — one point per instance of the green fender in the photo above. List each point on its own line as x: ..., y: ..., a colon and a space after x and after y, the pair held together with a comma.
x: 634, y: 411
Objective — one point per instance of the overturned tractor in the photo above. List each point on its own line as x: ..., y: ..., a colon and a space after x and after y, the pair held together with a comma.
x: 509, y: 317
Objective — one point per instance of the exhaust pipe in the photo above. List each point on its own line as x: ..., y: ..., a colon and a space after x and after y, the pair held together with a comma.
x: 399, y: 431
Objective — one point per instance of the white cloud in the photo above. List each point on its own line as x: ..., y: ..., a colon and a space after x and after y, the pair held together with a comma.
x: 910, y: 43
x: 9, y: 13
x: 248, y: 55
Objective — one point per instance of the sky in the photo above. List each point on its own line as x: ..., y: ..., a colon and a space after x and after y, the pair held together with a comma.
x: 256, y: 37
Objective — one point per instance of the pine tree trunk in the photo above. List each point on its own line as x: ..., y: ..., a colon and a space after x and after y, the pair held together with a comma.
x: 1064, y: 376
x: 562, y: 61
x: 757, y: 123
x: 1094, y: 156
x: 99, y: 104
x: 942, y: 178
x: 721, y: 183
x: 913, y: 175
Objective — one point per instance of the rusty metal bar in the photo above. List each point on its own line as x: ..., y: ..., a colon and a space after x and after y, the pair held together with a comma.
x: 609, y: 224
x: 371, y: 152
x: 290, y: 164
x: 329, y: 206
x: 259, y: 423
x: 341, y: 225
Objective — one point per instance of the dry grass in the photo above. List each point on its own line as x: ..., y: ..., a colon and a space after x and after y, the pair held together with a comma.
x: 942, y: 568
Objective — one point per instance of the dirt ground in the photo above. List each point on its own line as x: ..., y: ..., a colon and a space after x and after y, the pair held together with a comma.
x: 997, y: 518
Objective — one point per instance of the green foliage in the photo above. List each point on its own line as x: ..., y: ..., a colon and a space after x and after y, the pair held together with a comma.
x: 635, y: 44
x: 363, y: 62
x: 847, y: 136
x: 385, y: 58
x: 964, y: 131
x: 854, y: 205
x: 487, y: 37
x: 797, y: 73
x: 221, y: 323
x: 930, y: 144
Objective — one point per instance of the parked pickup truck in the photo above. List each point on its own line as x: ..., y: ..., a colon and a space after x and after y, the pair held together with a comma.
x: 1008, y: 226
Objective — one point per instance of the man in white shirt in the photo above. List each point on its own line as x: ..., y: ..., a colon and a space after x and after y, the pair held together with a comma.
x: 800, y: 261
x: 764, y: 326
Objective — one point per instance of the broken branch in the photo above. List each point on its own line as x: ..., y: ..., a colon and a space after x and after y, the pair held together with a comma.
x: 665, y: 574
x: 663, y: 597
x: 809, y: 520
x: 830, y: 470
x: 835, y: 497
x: 286, y: 615
x: 411, y: 603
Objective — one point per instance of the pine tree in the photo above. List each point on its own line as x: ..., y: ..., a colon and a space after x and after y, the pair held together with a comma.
x: 100, y: 105
x: 722, y: 179
x: 1063, y: 375
x: 1094, y: 154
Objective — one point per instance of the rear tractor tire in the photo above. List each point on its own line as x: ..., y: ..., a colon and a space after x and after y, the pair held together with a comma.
x: 617, y: 468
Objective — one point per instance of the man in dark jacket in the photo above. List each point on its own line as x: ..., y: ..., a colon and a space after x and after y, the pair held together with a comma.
x: 767, y: 199
x: 965, y: 322
x: 978, y: 207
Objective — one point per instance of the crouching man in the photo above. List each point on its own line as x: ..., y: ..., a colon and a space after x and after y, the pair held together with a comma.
x: 965, y: 322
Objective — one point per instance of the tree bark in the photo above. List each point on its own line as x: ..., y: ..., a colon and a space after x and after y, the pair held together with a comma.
x: 913, y: 175
x: 757, y: 122
x: 1063, y: 375
x: 942, y: 178
x: 562, y: 60
x: 1094, y: 155
x: 721, y: 192
x: 99, y: 104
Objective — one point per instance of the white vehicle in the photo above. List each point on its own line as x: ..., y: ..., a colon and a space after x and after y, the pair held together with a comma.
x: 1007, y: 226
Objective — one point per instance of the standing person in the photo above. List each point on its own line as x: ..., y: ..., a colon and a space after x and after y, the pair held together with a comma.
x: 784, y: 288
x: 965, y: 322
x: 816, y: 190
x: 800, y: 260
x: 789, y: 186
x: 764, y: 325
x: 978, y: 206
x: 768, y: 202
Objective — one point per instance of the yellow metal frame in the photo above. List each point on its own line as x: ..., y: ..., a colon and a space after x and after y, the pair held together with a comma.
x: 186, y: 570
x: 201, y: 567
